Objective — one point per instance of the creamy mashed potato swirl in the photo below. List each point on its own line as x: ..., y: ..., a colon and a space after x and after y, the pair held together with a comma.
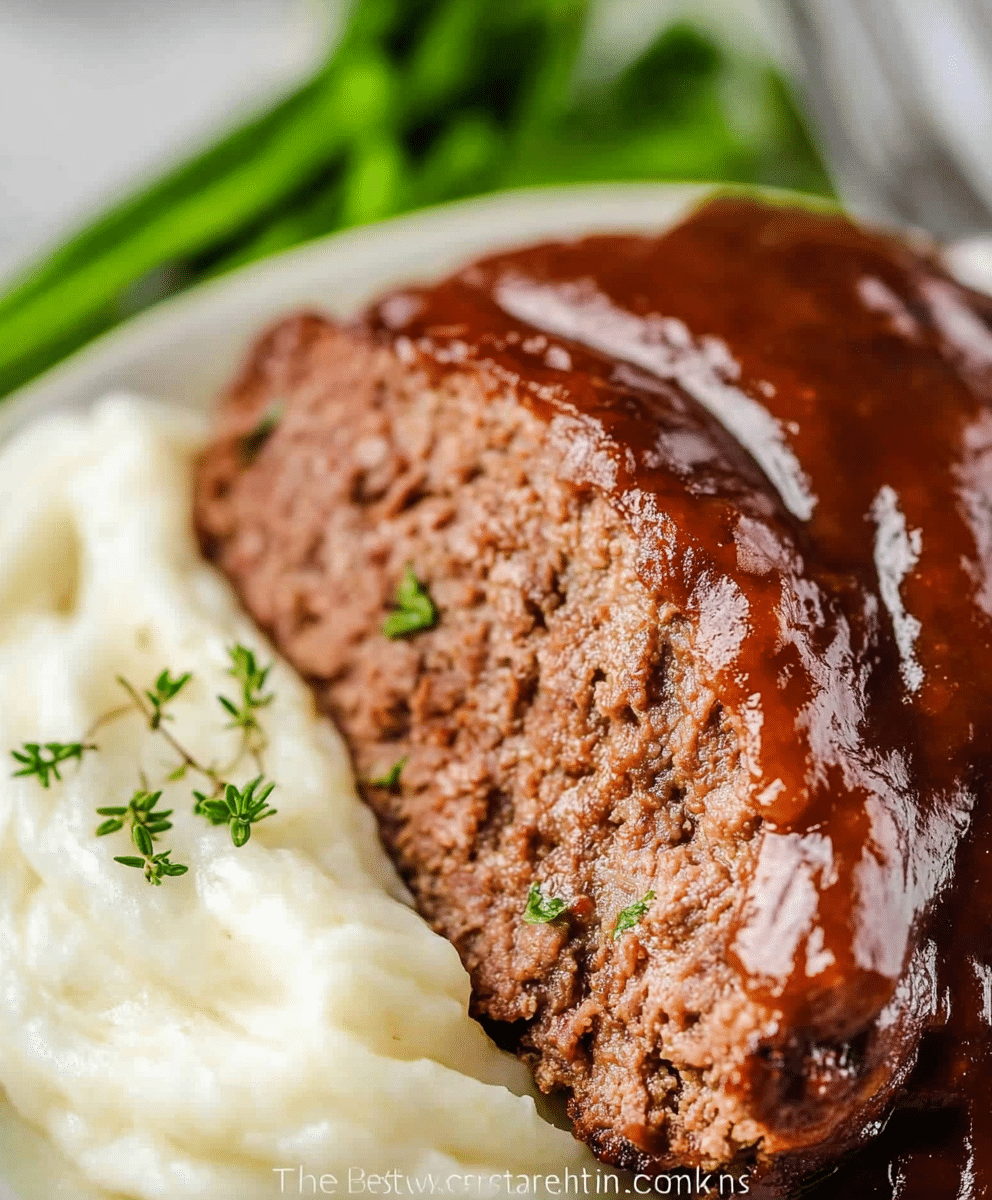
x: 279, y: 1006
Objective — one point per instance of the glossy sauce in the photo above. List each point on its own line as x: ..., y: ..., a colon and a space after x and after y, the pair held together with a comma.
x: 809, y: 406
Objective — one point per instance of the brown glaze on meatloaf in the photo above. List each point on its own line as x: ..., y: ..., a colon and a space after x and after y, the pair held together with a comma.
x: 704, y: 518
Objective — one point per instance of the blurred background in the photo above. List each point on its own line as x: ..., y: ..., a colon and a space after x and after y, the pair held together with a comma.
x: 145, y: 147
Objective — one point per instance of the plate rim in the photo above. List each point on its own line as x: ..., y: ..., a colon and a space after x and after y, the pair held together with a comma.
x: 476, y: 225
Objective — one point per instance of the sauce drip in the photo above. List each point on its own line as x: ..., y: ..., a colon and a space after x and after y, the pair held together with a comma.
x: 811, y: 402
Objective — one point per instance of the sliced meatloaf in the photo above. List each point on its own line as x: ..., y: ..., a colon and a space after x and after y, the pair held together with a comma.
x: 612, y: 561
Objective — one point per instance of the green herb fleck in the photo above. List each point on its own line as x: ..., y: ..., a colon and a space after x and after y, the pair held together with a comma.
x: 390, y: 779
x: 154, y: 865
x: 252, y: 678
x: 540, y: 911
x: 631, y: 915
x: 146, y: 822
x: 252, y: 443
x: 35, y: 763
x: 238, y: 808
x: 414, y: 611
x: 166, y: 688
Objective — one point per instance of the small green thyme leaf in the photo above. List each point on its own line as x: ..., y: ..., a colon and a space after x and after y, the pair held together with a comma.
x: 32, y: 756
x: 630, y: 916
x: 154, y: 866
x: 389, y: 780
x: 146, y: 821
x: 215, y: 811
x: 178, y: 773
x: 245, y: 669
x: 414, y: 610
x: 540, y: 911
x: 238, y: 807
x: 142, y: 840
x: 166, y: 689
x: 254, y: 440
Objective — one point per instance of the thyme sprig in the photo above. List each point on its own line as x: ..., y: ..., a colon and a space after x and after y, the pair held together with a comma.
x: 150, y: 714
x: 239, y: 808
x: 146, y: 823
x: 32, y: 755
x: 225, y: 803
x: 251, y: 677
x: 154, y: 866
x: 166, y: 689
x: 253, y: 442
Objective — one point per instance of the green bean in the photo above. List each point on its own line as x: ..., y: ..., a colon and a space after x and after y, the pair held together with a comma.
x: 53, y: 350
x: 465, y: 158
x: 688, y: 150
x: 373, y: 181
x: 459, y: 162
x: 318, y: 214
x: 788, y: 159
x: 547, y: 94
x: 448, y: 57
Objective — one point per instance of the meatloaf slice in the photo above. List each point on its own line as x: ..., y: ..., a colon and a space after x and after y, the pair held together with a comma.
x: 655, y: 687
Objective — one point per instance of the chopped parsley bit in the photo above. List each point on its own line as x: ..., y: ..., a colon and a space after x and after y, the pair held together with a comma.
x: 165, y: 689
x: 414, y: 611
x: 254, y: 440
x: 630, y: 916
x: 540, y: 911
x: 390, y: 779
x: 154, y: 865
x: 239, y: 809
x: 35, y: 762
x: 252, y: 678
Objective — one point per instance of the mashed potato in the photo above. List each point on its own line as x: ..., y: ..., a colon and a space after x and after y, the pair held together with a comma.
x: 274, y: 1014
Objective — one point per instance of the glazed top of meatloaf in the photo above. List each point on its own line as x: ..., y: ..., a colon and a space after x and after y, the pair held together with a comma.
x: 845, y: 580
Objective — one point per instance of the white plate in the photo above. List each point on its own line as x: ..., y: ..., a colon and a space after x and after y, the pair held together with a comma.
x: 187, y: 348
